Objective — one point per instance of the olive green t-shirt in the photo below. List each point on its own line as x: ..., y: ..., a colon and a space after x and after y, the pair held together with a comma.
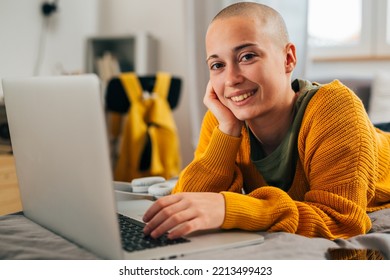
x: 278, y: 168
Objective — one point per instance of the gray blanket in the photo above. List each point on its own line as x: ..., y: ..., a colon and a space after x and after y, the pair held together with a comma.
x: 21, y: 238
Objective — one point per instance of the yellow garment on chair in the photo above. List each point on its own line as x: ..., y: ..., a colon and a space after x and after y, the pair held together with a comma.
x: 148, y: 115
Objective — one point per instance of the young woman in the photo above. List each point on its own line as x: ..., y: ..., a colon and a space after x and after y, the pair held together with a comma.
x: 275, y: 154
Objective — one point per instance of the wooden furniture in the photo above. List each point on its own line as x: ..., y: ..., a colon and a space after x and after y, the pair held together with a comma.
x: 9, y: 190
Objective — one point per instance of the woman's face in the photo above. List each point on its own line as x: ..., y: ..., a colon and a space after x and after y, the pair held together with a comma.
x: 249, y: 70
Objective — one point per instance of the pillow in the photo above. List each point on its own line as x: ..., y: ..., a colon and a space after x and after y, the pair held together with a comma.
x: 379, y: 105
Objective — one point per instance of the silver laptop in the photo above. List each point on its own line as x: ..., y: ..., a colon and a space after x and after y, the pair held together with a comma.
x: 59, y: 139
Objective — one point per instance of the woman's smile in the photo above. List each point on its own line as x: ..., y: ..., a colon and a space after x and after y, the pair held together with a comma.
x: 242, y: 97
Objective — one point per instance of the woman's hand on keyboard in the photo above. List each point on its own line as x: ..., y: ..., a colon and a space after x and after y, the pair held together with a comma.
x: 183, y: 213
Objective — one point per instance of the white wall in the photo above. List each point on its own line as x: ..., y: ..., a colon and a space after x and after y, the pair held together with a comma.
x: 21, y: 25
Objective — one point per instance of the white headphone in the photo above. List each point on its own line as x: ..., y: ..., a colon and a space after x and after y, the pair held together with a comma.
x: 141, y: 185
x: 161, y: 189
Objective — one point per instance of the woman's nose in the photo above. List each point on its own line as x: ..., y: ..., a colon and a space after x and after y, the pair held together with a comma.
x: 233, y: 76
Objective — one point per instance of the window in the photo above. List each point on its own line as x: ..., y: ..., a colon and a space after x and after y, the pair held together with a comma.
x: 325, y: 29
x: 349, y: 28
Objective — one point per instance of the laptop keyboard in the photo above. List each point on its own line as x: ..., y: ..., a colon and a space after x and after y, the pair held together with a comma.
x: 133, y: 238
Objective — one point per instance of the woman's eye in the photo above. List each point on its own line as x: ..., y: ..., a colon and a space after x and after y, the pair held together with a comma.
x: 247, y: 57
x: 216, y: 66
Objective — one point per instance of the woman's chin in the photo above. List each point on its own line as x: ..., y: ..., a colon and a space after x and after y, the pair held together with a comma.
x: 242, y: 117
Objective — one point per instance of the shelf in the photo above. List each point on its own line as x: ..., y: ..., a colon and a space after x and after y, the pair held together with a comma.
x: 136, y: 53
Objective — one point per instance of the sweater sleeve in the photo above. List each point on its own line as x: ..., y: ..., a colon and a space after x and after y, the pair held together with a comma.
x: 339, y: 154
x: 213, y: 167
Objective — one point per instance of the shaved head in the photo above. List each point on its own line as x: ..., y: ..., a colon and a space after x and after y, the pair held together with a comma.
x: 270, y: 20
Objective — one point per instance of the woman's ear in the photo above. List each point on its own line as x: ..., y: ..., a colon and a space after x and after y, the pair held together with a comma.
x: 291, y: 58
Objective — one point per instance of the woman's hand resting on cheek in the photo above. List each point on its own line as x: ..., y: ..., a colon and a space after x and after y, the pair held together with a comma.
x: 228, y: 123
x: 183, y: 213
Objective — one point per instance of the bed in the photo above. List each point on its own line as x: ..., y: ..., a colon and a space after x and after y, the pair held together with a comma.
x: 20, y: 238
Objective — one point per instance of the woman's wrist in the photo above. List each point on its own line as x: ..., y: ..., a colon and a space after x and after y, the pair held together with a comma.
x: 232, y: 130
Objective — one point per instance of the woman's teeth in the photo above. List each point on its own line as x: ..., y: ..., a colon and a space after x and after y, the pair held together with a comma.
x: 242, y: 96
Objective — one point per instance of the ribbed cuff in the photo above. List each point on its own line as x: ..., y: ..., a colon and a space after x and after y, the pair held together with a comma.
x: 243, y: 212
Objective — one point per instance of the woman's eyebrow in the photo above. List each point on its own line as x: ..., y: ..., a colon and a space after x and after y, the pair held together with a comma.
x: 211, y: 57
x: 235, y: 49
x: 243, y: 46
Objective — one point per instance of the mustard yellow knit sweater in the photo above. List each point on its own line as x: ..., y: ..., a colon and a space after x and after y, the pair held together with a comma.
x: 343, y: 172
